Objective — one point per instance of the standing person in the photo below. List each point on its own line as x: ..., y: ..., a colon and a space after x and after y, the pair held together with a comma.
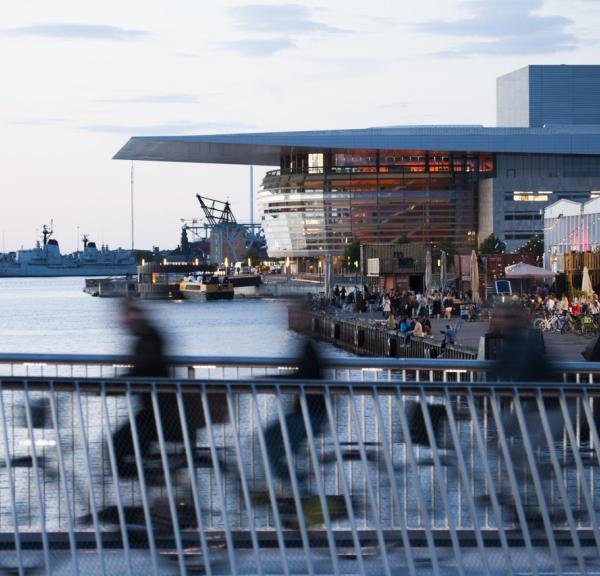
x: 595, y: 308
x: 448, y: 336
x: 448, y: 304
x: 437, y: 305
x: 387, y: 307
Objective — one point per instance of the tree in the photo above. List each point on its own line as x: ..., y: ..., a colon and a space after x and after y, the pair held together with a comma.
x: 446, y: 246
x: 492, y: 245
x: 352, y: 252
x: 402, y: 239
x: 535, y: 247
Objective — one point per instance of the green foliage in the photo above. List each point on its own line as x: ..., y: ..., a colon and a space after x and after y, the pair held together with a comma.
x: 535, y: 247
x: 352, y: 252
x: 402, y: 239
x: 492, y: 245
x: 446, y: 246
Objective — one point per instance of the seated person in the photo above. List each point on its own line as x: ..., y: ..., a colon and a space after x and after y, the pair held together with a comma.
x: 407, y: 328
x: 426, y: 325
x: 418, y: 330
x: 405, y: 325
x: 391, y: 322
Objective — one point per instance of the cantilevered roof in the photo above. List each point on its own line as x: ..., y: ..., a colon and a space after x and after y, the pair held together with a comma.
x: 265, y: 148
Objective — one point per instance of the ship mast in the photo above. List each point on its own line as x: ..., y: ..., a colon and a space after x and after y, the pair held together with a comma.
x: 132, y: 222
x: 47, y: 232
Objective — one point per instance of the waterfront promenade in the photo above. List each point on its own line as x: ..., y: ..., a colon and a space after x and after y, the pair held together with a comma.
x: 559, y: 347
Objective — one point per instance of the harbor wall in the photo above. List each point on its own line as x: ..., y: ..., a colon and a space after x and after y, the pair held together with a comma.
x: 369, y: 340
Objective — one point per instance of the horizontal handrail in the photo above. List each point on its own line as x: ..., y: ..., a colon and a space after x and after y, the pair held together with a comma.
x: 287, y: 384
x: 338, y: 363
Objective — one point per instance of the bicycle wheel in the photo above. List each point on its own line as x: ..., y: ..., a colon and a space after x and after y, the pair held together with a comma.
x: 540, y: 324
x: 588, y: 330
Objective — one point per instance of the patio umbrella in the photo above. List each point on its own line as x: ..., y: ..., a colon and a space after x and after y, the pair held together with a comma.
x: 443, y: 270
x: 428, y: 272
x: 474, y: 276
x: 586, y: 283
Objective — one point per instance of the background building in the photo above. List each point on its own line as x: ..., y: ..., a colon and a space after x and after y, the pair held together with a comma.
x: 424, y: 184
x: 570, y: 227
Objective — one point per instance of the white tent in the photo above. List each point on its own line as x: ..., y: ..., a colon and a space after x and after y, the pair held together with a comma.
x: 443, y: 270
x: 586, y: 283
x: 523, y: 271
x: 474, y: 276
x: 428, y: 273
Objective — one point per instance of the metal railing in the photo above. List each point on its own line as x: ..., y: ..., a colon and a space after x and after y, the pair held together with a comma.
x: 399, y: 466
x: 348, y: 368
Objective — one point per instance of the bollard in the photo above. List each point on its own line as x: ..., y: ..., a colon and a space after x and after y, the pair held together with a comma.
x: 391, y: 344
x: 359, y: 337
x: 335, y: 331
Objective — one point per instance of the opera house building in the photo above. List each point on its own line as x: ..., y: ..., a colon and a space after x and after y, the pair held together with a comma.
x: 423, y: 184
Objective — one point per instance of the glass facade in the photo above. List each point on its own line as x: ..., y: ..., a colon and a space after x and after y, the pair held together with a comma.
x: 318, y: 201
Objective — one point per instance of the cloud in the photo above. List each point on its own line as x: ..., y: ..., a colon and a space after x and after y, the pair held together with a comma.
x: 279, y: 19
x: 396, y: 104
x: 167, y: 128
x: 40, y: 121
x: 261, y: 48
x: 80, y: 32
x: 510, y: 27
x: 175, y: 98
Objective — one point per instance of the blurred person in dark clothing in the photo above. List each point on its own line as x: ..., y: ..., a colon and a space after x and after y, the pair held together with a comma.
x: 309, y: 368
x: 149, y: 362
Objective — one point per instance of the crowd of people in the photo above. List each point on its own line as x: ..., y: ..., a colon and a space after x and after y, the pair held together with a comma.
x: 396, y: 304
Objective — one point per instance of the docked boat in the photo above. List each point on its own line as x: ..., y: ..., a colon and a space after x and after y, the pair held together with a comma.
x: 208, y: 287
x: 46, y: 260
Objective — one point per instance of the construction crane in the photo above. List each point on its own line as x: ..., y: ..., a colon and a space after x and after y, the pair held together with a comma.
x: 216, y: 211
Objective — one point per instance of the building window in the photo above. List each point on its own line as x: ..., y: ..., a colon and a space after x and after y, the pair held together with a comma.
x: 525, y: 236
x: 531, y: 196
x: 523, y: 216
x: 315, y: 163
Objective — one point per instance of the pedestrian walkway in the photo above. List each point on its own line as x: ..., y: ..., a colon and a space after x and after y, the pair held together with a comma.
x: 560, y: 347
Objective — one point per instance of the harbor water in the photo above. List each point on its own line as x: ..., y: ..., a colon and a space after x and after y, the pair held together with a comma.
x: 54, y: 316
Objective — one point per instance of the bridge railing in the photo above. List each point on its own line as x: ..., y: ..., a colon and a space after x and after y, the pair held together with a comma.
x: 385, y: 467
x: 348, y: 368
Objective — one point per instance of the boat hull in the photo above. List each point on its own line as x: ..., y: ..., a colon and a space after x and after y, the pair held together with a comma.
x: 58, y: 271
x: 206, y: 296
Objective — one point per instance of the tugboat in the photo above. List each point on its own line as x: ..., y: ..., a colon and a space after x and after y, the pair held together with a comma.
x: 209, y: 287
x: 45, y: 260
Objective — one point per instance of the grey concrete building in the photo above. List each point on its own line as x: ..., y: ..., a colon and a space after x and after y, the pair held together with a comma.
x: 557, y: 96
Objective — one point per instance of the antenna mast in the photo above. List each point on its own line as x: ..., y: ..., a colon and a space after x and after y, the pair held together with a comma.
x: 132, y: 221
x: 251, y: 194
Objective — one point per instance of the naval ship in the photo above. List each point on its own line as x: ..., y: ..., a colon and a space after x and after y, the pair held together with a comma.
x: 45, y: 260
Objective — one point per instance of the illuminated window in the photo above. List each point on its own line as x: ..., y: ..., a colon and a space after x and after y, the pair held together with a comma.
x: 530, y: 196
x: 315, y: 163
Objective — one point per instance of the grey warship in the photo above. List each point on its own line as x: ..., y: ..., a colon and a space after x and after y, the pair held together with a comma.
x: 45, y: 260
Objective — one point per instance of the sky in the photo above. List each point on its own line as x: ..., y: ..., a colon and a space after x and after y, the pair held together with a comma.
x: 80, y: 78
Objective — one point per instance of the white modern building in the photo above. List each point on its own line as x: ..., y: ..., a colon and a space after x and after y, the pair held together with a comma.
x: 571, y: 226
